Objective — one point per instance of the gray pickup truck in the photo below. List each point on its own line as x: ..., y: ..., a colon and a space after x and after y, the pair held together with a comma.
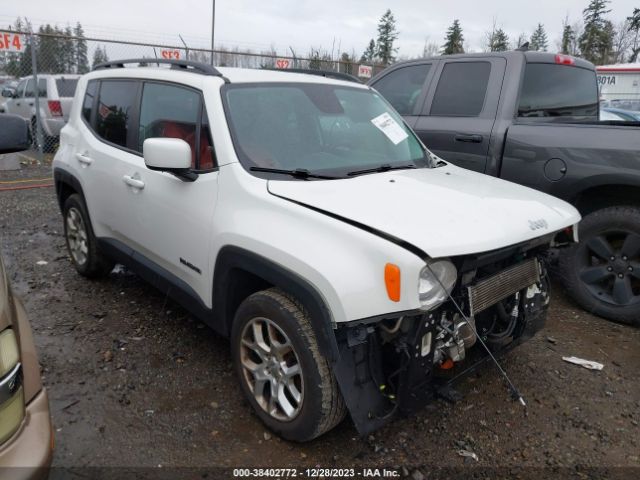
x: 533, y: 118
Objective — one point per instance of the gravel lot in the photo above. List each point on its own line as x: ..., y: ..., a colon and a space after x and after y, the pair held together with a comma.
x: 135, y: 382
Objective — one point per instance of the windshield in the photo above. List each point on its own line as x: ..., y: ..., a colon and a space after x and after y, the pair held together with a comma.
x: 319, y: 128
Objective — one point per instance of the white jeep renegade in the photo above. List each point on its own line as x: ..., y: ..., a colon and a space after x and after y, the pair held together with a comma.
x: 299, y: 216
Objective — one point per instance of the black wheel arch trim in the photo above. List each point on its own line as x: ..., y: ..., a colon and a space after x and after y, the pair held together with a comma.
x: 232, y: 257
x: 62, y: 176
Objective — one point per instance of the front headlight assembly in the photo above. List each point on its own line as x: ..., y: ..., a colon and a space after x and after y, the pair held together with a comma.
x: 433, y: 277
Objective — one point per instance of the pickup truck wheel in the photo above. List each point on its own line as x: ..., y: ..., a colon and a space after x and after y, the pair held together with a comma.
x: 285, y: 378
x: 602, y: 272
x: 81, y: 242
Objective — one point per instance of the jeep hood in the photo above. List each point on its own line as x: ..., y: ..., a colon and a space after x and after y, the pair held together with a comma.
x: 443, y: 211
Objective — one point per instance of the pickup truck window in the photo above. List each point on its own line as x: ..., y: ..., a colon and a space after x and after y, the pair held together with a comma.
x: 550, y: 90
x: 461, y: 89
x: 403, y: 87
x: 317, y: 127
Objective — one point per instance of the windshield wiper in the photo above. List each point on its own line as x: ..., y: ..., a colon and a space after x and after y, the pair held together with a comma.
x: 382, y: 168
x: 297, y: 173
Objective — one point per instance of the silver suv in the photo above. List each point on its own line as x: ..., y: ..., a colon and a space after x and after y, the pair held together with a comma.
x: 55, y: 94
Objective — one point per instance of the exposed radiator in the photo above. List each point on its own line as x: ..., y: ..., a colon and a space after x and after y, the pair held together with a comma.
x: 491, y: 290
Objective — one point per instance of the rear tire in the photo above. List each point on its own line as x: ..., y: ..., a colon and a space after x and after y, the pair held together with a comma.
x: 602, y: 272
x: 272, y: 336
x: 82, y: 246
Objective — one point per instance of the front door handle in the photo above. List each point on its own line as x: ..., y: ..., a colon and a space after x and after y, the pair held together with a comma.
x: 17, y: 104
x: 133, y: 182
x: 31, y: 104
x: 84, y: 159
x: 461, y: 137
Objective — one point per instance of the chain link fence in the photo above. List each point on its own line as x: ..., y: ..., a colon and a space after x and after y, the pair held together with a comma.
x: 54, y: 62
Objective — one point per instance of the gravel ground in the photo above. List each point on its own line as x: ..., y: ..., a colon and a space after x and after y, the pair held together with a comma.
x: 135, y: 382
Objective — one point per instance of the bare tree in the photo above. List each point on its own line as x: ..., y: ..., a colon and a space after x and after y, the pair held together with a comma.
x: 622, y: 41
x: 430, y: 49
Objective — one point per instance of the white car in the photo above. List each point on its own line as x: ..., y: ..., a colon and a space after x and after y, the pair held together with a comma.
x: 55, y: 94
x: 299, y: 216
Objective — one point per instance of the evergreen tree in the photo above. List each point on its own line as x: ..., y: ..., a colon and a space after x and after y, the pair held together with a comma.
x: 454, y: 41
x: 387, y: 35
x: 568, y: 38
x: 499, y: 41
x: 539, y: 40
x: 635, y: 20
x: 99, y: 56
x: 82, y: 62
x: 595, y: 42
x: 69, y: 51
x: 370, y: 53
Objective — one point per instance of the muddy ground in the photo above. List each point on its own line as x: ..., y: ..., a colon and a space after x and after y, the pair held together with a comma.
x: 134, y: 381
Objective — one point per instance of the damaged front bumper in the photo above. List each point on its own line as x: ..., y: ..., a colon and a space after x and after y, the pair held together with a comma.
x: 395, y: 366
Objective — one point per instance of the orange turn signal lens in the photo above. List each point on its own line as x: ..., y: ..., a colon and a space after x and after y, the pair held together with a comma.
x: 392, y: 281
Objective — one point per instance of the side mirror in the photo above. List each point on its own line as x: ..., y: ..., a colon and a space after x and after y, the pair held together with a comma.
x: 171, y: 155
x: 7, y: 93
x: 14, y: 134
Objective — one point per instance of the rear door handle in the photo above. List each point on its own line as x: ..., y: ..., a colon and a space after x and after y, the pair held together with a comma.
x: 31, y: 104
x: 133, y: 182
x: 17, y: 104
x: 461, y: 137
x: 83, y: 159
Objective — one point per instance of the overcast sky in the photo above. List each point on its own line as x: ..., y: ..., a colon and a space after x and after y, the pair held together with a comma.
x: 303, y: 24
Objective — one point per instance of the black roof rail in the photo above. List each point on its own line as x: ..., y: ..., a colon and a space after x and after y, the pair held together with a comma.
x: 322, y: 73
x: 186, y: 65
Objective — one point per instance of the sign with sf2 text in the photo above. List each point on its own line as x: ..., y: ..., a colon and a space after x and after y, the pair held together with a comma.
x: 170, y: 54
x: 283, y: 63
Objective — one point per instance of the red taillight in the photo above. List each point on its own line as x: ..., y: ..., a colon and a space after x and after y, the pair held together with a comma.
x: 565, y: 60
x: 55, y: 108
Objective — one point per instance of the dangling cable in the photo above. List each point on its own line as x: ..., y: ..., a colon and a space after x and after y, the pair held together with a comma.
x: 514, y: 391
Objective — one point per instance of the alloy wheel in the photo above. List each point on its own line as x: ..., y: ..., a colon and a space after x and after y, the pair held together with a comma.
x: 610, y: 267
x: 272, y: 369
x: 77, y: 236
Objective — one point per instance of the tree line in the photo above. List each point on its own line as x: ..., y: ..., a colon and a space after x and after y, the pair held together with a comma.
x: 57, y: 50
x: 595, y: 38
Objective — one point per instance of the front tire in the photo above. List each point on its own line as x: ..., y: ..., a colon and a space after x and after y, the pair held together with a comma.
x: 82, y: 246
x: 282, y: 373
x: 602, y: 272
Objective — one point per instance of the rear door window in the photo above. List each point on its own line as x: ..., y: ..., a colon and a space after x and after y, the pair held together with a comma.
x: 558, y: 91
x: 115, y: 110
x: 66, y: 86
x: 172, y: 111
x: 403, y: 87
x: 462, y: 89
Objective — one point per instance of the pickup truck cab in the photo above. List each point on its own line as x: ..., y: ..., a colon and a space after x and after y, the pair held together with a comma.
x: 532, y: 118
x: 287, y: 211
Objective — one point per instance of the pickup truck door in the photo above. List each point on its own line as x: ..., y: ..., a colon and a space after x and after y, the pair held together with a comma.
x: 459, y: 111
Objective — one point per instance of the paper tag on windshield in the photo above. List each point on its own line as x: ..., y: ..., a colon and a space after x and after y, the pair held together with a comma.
x: 387, y: 125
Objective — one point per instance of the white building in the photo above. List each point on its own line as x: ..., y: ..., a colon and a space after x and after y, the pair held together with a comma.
x: 620, y: 85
